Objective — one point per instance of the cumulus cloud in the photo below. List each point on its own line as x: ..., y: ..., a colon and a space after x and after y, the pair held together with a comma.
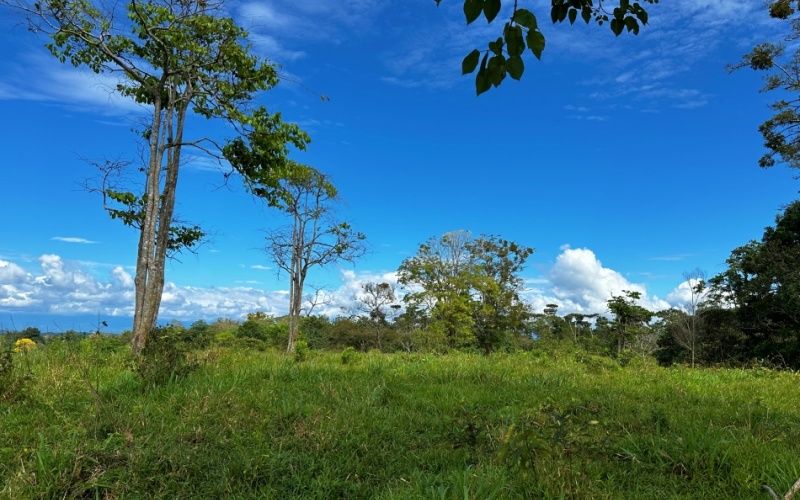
x: 66, y: 288
x: 577, y: 281
x: 685, y: 296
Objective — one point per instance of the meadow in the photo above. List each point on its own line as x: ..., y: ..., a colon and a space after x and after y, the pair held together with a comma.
x: 77, y: 420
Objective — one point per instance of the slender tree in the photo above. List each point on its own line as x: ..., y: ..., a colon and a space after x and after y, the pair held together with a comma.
x: 175, y: 58
x: 687, y: 327
x: 379, y: 300
x: 313, y: 238
x: 630, y: 319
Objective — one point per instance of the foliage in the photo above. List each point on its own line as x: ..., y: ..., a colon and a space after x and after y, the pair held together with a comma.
x: 166, y: 356
x: 630, y: 320
x: 176, y: 58
x: 521, y: 31
x: 349, y: 356
x: 301, y: 351
x: 762, y: 283
x: 313, y: 238
x: 199, y: 335
x: 468, y: 289
x: 780, y: 132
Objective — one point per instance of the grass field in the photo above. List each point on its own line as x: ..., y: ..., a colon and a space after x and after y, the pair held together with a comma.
x: 245, y: 424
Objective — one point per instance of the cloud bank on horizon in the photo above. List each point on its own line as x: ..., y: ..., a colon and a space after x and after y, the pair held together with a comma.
x: 577, y: 282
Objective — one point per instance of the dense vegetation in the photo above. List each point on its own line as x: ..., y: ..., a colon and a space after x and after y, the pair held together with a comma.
x: 80, y: 417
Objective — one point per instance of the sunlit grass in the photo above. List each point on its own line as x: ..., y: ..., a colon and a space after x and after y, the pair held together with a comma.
x: 261, y: 425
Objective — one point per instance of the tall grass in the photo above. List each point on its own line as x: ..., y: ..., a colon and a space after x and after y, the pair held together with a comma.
x: 264, y: 425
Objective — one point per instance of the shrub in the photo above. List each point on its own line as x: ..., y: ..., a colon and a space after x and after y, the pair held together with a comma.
x: 301, y: 351
x: 225, y: 339
x: 11, y: 381
x: 349, y: 355
x: 165, y: 356
x: 24, y: 344
x: 199, y: 335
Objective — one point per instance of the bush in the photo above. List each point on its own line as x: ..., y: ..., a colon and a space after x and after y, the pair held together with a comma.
x: 199, y: 335
x: 24, y: 345
x: 349, y: 355
x: 301, y: 351
x: 166, y: 356
x: 225, y: 339
x: 11, y: 380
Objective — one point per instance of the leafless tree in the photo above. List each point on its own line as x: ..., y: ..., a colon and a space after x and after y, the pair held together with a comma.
x: 313, y: 238
x: 686, y: 329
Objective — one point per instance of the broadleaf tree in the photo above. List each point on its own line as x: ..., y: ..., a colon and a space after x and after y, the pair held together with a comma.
x: 762, y: 286
x: 503, y: 57
x: 469, y: 288
x: 629, y: 319
x: 175, y: 58
x: 780, y: 61
x: 313, y: 238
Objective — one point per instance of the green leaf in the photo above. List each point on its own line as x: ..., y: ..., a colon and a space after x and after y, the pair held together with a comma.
x: 632, y: 25
x: 515, y: 42
x: 562, y: 12
x: 482, y: 83
x: 515, y: 67
x: 535, y: 41
x: 617, y: 26
x: 496, y: 70
x: 573, y: 15
x: 470, y: 62
x: 524, y: 17
x: 497, y: 46
x: 586, y: 14
x: 472, y: 9
x: 490, y: 9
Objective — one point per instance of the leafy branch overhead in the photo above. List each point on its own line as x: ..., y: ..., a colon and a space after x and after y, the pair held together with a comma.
x: 504, y: 55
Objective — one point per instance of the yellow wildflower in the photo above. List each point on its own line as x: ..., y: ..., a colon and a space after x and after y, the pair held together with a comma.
x: 24, y: 345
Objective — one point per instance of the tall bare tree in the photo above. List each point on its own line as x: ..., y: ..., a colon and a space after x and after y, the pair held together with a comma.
x: 313, y: 238
x: 686, y: 330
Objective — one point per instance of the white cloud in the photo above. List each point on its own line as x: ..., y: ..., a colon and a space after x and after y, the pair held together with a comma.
x: 72, y: 239
x: 260, y: 267
x: 76, y: 89
x: 577, y: 282
x: 684, y: 296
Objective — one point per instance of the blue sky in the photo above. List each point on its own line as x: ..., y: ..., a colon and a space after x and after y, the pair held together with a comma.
x: 624, y: 162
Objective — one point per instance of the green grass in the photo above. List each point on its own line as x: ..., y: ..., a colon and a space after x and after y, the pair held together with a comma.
x: 260, y: 425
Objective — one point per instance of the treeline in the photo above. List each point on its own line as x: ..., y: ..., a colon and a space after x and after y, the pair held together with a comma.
x: 463, y: 293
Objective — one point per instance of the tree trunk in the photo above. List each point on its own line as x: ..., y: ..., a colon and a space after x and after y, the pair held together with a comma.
x: 143, y: 320
x: 155, y: 233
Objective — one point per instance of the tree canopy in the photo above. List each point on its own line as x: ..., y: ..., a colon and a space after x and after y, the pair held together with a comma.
x: 780, y: 61
x: 762, y: 284
x: 468, y: 289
